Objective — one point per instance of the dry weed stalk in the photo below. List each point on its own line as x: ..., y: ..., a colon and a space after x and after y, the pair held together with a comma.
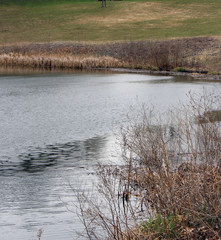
x: 170, y: 184
x: 58, y: 61
x: 39, y: 234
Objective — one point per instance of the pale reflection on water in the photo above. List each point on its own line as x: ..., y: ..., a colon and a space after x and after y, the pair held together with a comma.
x: 55, y: 128
x: 38, y: 191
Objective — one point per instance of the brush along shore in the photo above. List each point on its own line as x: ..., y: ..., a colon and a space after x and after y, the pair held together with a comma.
x: 168, y: 185
x: 193, y: 56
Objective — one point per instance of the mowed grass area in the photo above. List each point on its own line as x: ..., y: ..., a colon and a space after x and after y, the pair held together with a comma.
x: 85, y: 20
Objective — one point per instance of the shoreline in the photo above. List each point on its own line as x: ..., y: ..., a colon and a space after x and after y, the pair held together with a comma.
x: 192, y: 75
x: 195, y: 75
x: 198, y: 58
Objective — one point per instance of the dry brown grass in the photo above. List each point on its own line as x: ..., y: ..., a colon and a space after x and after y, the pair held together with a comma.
x: 192, y: 54
x: 138, y: 12
x: 58, y: 62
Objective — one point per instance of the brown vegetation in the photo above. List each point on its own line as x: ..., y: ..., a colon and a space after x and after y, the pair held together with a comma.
x: 169, y: 186
x: 181, y: 55
x: 58, y: 62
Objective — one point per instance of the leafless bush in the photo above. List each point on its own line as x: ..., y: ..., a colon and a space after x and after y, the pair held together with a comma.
x: 166, y: 55
x: 170, y: 184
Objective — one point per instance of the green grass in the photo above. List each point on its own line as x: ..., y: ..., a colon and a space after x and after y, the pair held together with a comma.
x: 85, y: 20
x: 162, y: 227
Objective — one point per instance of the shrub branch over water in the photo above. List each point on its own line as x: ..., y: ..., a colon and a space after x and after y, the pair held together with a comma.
x: 169, y: 186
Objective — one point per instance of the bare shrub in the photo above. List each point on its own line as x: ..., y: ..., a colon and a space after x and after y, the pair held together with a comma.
x: 170, y: 184
x: 166, y: 55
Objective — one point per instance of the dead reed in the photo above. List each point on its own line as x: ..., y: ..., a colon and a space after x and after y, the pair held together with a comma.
x: 191, y: 54
x: 58, y: 62
x: 169, y: 186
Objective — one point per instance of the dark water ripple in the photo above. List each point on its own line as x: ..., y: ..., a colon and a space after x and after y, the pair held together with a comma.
x: 58, y: 155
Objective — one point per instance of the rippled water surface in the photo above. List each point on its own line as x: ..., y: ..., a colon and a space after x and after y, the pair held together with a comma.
x: 54, y: 129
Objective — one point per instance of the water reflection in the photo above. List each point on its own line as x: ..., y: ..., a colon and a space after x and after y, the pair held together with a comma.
x: 68, y: 120
x: 35, y: 192
x: 12, y: 71
x: 57, y: 155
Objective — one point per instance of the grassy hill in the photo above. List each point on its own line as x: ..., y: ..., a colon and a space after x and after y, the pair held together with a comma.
x: 85, y: 20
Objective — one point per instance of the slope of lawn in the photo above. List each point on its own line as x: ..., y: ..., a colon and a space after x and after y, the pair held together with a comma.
x: 85, y: 20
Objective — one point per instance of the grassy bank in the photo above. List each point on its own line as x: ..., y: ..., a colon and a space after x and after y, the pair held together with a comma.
x: 202, y: 55
x: 46, y: 21
x: 151, y: 34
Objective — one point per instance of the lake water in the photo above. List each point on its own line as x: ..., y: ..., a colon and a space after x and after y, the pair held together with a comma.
x: 54, y: 130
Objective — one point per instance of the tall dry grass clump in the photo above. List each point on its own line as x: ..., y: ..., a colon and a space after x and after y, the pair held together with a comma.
x: 169, y: 186
x: 58, y: 61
